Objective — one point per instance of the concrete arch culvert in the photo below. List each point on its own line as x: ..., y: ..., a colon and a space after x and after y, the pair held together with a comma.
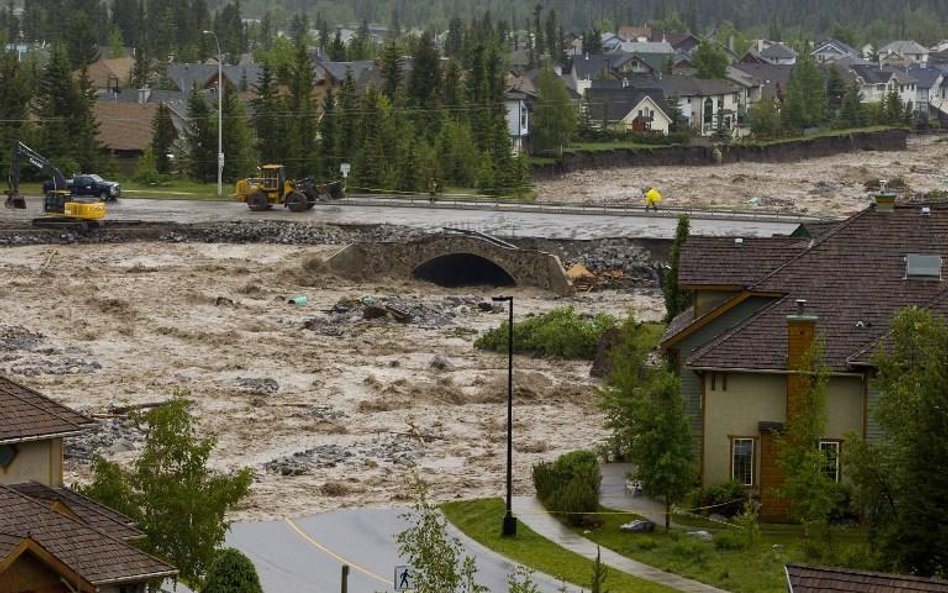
x: 462, y: 269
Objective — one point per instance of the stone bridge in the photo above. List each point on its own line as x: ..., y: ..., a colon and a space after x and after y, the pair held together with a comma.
x: 453, y: 260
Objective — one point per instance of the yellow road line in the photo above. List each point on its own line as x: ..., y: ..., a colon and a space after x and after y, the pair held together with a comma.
x: 333, y: 555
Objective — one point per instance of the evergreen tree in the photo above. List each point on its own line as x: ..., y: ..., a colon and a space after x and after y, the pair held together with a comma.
x: 202, y: 144
x: 125, y: 16
x: 337, y: 50
x: 238, y: 141
x: 676, y: 300
x: 301, y: 135
x: 892, y: 108
x: 81, y: 41
x: 322, y: 25
x: 230, y: 31
x: 710, y: 60
x: 141, y: 69
x: 299, y: 29
x: 269, y: 119
x: 550, y: 29
x: 835, y: 89
x: 367, y: 168
x: 163, y: 137
x: 63, y: 106
x: 15, y: 95
x: 765, y: 119
x: 852, y: 113
x: 592, y: 41
x: 426, y: 72
x: 348, y: 120
x: 554, y: 117
x: 805, y: 105
x: 539, y: 43
x: 451, y: 89
x: 454, y: 42
x: 266, y: 31
x: 391, y: 70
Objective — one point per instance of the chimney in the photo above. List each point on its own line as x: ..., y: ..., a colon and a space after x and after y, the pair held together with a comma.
x: 801, y: 332
x: 885, y: 199
x: 143, y: 95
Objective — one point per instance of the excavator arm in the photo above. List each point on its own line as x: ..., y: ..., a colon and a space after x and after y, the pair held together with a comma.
x: 22, y: 151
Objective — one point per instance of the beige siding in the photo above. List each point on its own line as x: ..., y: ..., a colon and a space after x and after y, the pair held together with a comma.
x: 736, y: 411
x: 751, y: 398
x: 844, y: 406
x: 39, y: 461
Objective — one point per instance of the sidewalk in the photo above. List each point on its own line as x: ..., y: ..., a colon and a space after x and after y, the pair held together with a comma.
x: 612, y: 494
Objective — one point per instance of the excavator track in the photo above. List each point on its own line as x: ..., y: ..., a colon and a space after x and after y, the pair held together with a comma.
x: 80, y: 225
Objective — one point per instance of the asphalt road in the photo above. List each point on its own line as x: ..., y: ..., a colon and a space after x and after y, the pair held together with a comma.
x: 306, y: 555
x: 502, y: 222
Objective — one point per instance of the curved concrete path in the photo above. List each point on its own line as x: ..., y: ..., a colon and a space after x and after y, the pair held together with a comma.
x: 612, y: 494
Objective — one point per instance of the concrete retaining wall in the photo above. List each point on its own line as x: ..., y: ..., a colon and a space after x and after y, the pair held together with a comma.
x: 780, y: 152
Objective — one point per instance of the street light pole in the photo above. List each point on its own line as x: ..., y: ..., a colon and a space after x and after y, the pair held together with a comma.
x: 220, y: 114
x: 509, y: 527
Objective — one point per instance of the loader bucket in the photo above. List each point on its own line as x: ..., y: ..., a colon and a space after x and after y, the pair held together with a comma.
x: 15, y: 201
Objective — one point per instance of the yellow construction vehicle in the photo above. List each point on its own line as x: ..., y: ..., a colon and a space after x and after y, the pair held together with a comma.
x: 60, y: 207
x: 271, y: 187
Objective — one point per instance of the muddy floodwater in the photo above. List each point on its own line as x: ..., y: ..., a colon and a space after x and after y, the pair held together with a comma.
x: 330, y: 406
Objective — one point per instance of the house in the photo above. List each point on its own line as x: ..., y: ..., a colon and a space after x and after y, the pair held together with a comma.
x: 125, y: 129
x: 820, y: 579
x: 110, y: 74
x: 648, y: 47
x: 874, y: 82
x: 610, y: 41
x: 940, y: 46
x: 832, y: 50
x: 779, y: 54
x: 518, y: 119
x: 186, y: 77
x: 758, y: 305
x: 635, y: 33
x: 623, y: 107
x: 903, y: 52
x: 52, y: 539
x: 708, y: 105
x: 680, y: 42
x: 771, y: 80
x: 333, y: 74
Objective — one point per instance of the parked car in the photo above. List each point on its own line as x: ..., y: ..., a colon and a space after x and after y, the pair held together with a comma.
x: 85, y: 184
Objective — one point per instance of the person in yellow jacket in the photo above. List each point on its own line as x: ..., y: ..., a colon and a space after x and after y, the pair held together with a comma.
x: 652, y: 198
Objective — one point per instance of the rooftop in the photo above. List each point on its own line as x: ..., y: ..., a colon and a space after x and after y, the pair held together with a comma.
x: 27, y: 415
x: 814, y: 579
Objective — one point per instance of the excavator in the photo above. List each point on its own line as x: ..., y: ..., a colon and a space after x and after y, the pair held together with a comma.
x: 60, y: 208
x: 271, y: 187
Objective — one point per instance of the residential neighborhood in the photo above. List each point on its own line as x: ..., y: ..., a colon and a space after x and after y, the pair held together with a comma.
x: 446, y: 296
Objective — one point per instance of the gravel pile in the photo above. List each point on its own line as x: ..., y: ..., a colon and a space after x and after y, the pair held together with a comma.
x: 23, y: 352
x: 348, y: 314
x: 636, y: 263
x: 391, y: 450
x: 264, y: 386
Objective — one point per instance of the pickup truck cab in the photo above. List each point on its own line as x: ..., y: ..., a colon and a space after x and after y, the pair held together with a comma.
x: 85, y: 184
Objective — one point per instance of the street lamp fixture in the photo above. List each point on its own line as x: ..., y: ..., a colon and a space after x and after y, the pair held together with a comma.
x: 509, y: 527
x: 220, y: 113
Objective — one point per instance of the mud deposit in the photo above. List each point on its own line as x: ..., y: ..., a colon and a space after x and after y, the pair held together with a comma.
x: 331, y: 407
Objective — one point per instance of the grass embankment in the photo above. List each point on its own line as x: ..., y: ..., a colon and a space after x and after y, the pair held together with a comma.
x: 480, y: 520
x: 729, y: 561
x: 817, y: 136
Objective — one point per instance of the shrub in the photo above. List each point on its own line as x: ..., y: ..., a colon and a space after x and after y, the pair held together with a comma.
x: 726, y: 498
x: 232, y: 572
x: 569, y: 485
x: 560, y: 333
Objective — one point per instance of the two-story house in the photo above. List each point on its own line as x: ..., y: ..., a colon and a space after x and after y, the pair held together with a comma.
x: 759, y: 303
x: 628, y: 105
x: 707, y: 104
x: 53, y: 540
x: 832, y: 50
x: 903, y: 53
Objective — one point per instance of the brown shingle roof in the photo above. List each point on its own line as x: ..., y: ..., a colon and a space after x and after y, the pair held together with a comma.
x: 722, y: 261
x: 26, y: 414
x: 125, y: 126
x: 89, y: 512
x: 853, y: 279
x: 118, y: 69
x: 96, y: 557
x: 818, y: 579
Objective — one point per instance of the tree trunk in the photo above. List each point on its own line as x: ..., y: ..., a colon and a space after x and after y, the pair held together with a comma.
x: 668, y: 506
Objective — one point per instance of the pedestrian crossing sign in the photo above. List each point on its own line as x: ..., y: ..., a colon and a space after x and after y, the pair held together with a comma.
x: 404, y: 578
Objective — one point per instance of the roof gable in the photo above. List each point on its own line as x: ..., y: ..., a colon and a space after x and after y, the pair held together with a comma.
x: 813, y: 579
x: 93, y: 555
x: 853, y: 279
x: 26, y: 414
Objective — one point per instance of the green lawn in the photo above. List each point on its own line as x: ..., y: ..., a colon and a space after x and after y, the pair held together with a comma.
x: 727, y: 562
x: 751, y: 569
x: 481, y: 519
x: 825, y: 134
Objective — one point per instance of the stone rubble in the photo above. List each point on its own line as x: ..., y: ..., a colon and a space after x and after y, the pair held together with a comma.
x: 348, y: 315
x: 394, y: 450
x: 112, y: 435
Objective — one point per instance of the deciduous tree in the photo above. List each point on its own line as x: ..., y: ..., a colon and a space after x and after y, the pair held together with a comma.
x: 710, y: 60
x: 171, y: 494
x: 554, y: 117
x: 232, y: 572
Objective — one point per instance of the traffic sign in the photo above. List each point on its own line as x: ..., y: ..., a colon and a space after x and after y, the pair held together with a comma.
x: 404, y: 578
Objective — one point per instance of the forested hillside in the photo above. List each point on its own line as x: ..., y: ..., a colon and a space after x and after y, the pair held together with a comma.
x: 857, y: 21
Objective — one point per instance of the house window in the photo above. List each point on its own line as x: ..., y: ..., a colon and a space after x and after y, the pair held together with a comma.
x: 7, y: 454
x: 742, y: 461
x: 830, y: 450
